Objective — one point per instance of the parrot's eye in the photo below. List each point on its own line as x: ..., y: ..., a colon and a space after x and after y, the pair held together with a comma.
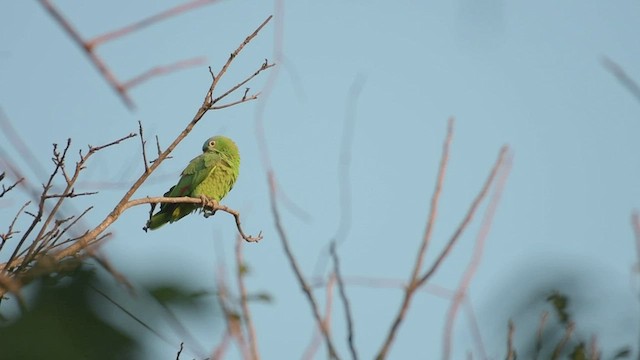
x: 212, y: 143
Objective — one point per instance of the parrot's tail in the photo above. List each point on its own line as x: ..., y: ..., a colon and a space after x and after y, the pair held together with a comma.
x: 157, y: 220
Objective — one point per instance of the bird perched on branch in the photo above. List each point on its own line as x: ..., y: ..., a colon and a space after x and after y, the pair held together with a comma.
x: 211, y: 175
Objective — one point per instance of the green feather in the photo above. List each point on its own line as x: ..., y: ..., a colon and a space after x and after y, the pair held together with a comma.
x: 211, y: 174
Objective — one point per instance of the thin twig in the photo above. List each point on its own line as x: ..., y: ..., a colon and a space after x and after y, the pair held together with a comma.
x: 158, y: 145
x: 7, y: 189
x: 163, y: 70
x: 316, y: 339
x: 206, y: 203
x: 233, y: 103
x: 93, y: 57
x: 635, y: 224
x: 413, y: 280
x: 539, y: 333
x: 296, y: 269
x: 345, y: 302
x: 476, y: 257
x: 112, y: 35
x: 251, y: 331
x: 567, y: 335
x: 221, y: 348
x: 123, y: 204
x: 511, y: 354
x: 131, y: 315
x: 344, y: 164
x: 265, y: 65
x: 232, y: 319
x: 622, y: 77
x: 180, y: 351
x: 144, y: 150
x: 10, y: 232
x: 468, y: 217
x: 475, y: 329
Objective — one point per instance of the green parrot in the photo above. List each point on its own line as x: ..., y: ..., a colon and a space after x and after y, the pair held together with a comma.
x: 211, y: 174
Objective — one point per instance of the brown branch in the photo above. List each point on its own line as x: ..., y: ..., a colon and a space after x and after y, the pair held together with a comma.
x: 162, y: 70
x: 10, y: 232
x: 207, y: 204
x: 219, y: 351
x: 567, y: 335
x: 622, y: 77
x: 468, y: 217
x: 511, y: 353
x: 635, y: 224
x: 265, y: 65
x: 41, y: 205
x: 475, y: 329
x: 345, y: 301
x: 59, y: 161
x: 316, y: 340
x: 7, y: 189
x: 296, y: 269
x: 476, y: 257
x: 539, y: 333
x: 413, y: 280
x: 251, y: 331
x: 86, y: 47
x: 232, y: 319
x: 180, y: 351
x: 243, y: 100
x: 70, y: 194
x: 233, y: 55
x: 123, y: 204
x: 112, y: 35
x: 144, y: 150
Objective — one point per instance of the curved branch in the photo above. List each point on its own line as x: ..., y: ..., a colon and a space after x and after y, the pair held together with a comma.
x: 207, y: 204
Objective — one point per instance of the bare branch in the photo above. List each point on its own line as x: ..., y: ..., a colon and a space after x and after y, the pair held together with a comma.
x: 180, y: 351
x: 158, y: 145
x: 233, y: 55
x: 243, y: 100
x: 144, y: 150
x: 622, y: 77
x: 567, y: 335
x: 93, y: 57
x: 296, y: 269
x: 345, y: 302
x: 468, y: 217
x: 70, y: 194
x: 316, y: 340
x: 251, y: 331
x: 147, y: 22
x: 265, y: 65
x: 413, y: 282
x: 539, y: 333
x: 93, y: 149
x: 635, y: 224
x: 511, y: 353
x: 163, y: 70
x: 478, y: 251
x: 207, y: 204
x: 123, y: 204
x: 10, y: 232
x: 7, y: 189
x: 232, y: 319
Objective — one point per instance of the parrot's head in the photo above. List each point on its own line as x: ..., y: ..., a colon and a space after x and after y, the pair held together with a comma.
x: 221, y: 144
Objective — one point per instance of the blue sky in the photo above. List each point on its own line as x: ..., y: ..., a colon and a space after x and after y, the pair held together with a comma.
x: 524, y: 74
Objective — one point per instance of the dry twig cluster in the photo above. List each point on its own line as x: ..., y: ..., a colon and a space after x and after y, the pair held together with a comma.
x: 47, y: 246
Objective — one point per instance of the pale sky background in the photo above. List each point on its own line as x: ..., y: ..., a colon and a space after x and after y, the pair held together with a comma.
x: 528, y: 74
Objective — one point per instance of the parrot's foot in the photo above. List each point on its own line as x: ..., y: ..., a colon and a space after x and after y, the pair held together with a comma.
x: 208, y: 206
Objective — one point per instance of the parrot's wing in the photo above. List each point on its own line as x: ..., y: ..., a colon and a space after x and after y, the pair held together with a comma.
x: 195, y: 173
